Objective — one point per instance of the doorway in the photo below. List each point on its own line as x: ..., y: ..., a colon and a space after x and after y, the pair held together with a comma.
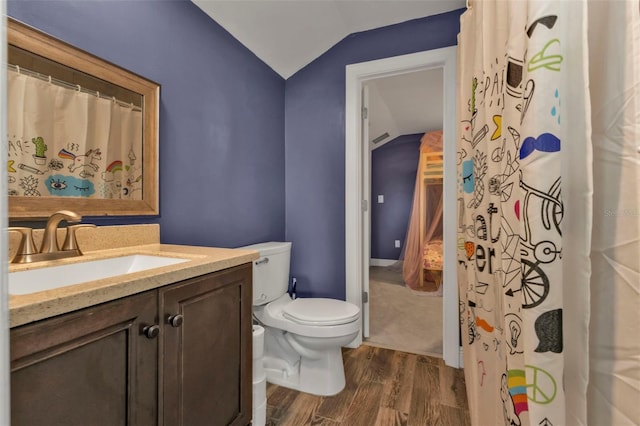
x: 357, y: 186
x: 400, y: 110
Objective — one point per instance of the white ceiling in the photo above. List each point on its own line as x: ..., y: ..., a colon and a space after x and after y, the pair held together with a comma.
x: 289, y: 34
x: 405, y: 104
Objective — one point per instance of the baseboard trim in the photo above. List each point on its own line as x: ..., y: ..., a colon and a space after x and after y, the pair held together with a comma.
x: 382, y: 262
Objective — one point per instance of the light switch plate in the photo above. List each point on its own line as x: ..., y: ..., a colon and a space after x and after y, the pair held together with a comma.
x: 380, y: 199
x: 397, y: 243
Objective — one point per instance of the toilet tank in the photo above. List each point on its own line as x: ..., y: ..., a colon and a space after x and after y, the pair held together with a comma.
x: 270, y: 271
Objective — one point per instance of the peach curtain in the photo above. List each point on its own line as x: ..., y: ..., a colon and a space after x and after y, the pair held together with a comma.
x: 412, y: 266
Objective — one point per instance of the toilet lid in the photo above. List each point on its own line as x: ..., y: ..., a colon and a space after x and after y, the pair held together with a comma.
x: 320, y: 311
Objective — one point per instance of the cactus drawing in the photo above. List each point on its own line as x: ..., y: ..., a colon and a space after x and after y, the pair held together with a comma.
x: 39, y: 157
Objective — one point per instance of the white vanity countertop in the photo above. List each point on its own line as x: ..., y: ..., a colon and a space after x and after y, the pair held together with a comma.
x: 27, y: 308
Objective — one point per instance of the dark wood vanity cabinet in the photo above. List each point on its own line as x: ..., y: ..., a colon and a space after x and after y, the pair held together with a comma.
x: 206, y: 341
x: 89, y: 367
x: 178, y: 355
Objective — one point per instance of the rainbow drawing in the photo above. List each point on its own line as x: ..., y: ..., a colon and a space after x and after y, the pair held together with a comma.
x: 518, y: 390
x: 115, y: 166
x: 66, y: 154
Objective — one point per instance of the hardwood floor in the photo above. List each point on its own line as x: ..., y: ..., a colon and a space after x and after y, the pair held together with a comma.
x: 384, y: 387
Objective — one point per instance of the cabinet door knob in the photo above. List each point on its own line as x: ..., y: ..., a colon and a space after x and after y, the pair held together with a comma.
x: 151, y: 331
x: 175, y: 320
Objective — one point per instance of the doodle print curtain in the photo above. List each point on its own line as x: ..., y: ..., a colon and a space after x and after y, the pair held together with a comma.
x: 65, y: 143
x: 524, y: 163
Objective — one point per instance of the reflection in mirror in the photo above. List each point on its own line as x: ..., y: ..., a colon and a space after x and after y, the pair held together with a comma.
x: 66, y: 137
x: 36, y: 66
x: 82, y: 133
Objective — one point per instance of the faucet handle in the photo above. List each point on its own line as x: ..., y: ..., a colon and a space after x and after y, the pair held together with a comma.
x: 27, y: 247
x: 70, y: 241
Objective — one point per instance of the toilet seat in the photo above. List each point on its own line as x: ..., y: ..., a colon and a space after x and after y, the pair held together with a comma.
x: 320, y: 312
x: 273, y: 315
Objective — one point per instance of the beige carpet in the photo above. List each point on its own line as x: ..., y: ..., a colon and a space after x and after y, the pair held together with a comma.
x: 403, y: 319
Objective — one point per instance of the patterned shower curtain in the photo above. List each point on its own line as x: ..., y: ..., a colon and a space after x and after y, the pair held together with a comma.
x: 67, y: 143
x: 524, y: 211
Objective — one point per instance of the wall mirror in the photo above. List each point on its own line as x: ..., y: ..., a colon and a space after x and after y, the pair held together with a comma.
x: 82, y: 133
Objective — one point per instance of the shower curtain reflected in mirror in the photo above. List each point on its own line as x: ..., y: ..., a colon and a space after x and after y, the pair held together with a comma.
x: 64, y: 142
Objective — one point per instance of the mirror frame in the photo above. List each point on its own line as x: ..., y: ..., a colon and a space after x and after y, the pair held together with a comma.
x: 39, y: 43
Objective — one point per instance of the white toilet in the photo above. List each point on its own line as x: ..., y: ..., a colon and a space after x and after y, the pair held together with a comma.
x: 303, y: 337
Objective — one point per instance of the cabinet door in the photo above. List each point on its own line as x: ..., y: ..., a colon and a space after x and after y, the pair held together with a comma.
x: 89, y: 367
x: 206, y: 371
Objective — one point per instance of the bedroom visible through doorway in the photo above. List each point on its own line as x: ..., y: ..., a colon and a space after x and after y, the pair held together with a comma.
x: 405, y: 309
x: 358, y: 197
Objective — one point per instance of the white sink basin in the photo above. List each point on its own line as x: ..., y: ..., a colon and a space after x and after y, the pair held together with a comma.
x: 34, y: 280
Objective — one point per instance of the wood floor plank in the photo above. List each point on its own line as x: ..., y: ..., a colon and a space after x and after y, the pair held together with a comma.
x: 270, y: 389
x: 390, y: 417
x: 302, y: 410
x: 425, y: 395
x: 364, y: 407
x: 431, y: 360
x: 453, y: 416
x: 427, y: 413
x: 356, y: 362
x: 379, y: 366
x: 279, y: 402
x: 397, y: 390
x: 401, y: 389
x: 452, y: 387
x: 323, y: 421
x: 363, y: 352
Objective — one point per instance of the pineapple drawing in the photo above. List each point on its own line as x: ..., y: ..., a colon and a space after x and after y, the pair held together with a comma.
x: 30, y: 186
x: 479, y: 171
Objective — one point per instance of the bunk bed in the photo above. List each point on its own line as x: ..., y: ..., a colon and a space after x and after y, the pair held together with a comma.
x: 430, y: 175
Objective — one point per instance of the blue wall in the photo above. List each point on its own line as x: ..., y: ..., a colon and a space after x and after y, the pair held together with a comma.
x: 393, y: 174
x: 314, y: 148
x: 221, y: 113
x: 235, y: 126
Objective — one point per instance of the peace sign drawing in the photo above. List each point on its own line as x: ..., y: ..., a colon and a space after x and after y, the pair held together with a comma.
x: 541, y: 386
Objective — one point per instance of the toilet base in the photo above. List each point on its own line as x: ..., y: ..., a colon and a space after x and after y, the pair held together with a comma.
x: 323, y: 376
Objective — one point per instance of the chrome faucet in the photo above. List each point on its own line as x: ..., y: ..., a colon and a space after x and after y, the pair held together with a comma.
x: 49, y: 250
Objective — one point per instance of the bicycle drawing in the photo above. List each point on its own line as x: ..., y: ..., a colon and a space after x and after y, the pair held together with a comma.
x: 548, y: 208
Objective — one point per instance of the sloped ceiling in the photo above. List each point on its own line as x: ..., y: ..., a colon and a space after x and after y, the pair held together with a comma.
x: 289, y: 34
x: 405, y: 104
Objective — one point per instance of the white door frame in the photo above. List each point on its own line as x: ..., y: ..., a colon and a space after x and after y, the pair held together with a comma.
x: 356, y: 75
x: 365, y: 218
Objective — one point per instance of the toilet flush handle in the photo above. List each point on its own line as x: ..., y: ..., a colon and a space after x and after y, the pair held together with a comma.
x: 262, y: 261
